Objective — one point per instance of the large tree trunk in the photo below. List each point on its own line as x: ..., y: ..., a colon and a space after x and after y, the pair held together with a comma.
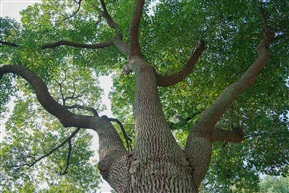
x: 158, y: 164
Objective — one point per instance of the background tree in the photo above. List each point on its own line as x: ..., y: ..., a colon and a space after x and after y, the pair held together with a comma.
x: 165, y: 95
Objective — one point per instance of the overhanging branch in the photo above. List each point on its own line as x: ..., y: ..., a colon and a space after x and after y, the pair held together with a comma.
x: 67, y: 118
x: 111, y: 148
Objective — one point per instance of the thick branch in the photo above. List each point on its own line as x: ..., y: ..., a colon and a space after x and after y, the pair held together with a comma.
x: 67, y: 118
x: 134, y: 27
x: 213, y: 113
x: 235, y: 136
x: 181, y: 75
x: 77, y: 45
x: 107, y: 17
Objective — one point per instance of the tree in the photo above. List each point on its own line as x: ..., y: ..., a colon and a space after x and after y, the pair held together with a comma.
x: 180, y: 121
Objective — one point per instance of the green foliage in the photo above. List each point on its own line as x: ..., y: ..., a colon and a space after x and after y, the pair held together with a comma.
x: 272, y: 184
x: 29, y: 137
x: 169, y: 32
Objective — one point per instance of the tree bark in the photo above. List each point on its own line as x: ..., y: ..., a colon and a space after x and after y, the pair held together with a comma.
x: 158, y: 164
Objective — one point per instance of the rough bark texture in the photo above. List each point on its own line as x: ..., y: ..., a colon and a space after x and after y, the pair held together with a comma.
x: 158, y: 165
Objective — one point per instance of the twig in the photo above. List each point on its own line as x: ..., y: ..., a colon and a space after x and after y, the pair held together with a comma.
x: 73, y: 14
x: 67, y: 158
x: 273, y: 8
x: 182, y: 120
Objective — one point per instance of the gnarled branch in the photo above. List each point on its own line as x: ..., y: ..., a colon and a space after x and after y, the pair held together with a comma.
x: 181, y: 75
x: 67, y: 118
x: 111, y: 149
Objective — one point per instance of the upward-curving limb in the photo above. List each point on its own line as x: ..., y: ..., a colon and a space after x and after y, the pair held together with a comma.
x: 182, y: 74
x: 203, y: 133
x: 134, y: 29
